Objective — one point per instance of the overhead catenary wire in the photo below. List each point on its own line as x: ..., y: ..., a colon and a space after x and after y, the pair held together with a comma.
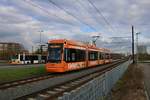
x: 83, y: 6
x: 47, y: 12
x: 61, y: 8
x: 100, y: 13
x: 121, y: 37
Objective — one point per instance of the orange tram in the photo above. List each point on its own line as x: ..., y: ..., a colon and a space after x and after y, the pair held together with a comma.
x: 66, y: 55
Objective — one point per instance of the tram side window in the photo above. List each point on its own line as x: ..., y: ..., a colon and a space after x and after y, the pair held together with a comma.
x: 104, y: 55
x: 107, y: 56
x: 100, y: 56
x: 93, y: 55
x: 74, y: 55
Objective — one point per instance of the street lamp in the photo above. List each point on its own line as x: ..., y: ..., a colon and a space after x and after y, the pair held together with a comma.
x: 137, y: 46
x: 40, y: 56
x: 40, y: 35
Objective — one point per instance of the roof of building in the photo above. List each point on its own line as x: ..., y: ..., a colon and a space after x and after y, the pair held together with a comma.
x: 9, y: 43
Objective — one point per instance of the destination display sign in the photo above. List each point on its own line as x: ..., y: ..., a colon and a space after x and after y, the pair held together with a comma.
x: 55, y: 46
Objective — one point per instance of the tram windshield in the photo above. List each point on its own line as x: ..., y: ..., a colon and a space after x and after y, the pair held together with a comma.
x: 54, y: 52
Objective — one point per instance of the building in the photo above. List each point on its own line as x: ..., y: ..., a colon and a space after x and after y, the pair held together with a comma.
x: 9, y: 49
x: 142, y: 49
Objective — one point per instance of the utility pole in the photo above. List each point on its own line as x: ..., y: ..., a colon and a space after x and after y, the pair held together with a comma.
x: 133, y: 44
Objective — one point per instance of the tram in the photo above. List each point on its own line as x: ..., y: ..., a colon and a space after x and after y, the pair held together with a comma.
x: 66, y: 55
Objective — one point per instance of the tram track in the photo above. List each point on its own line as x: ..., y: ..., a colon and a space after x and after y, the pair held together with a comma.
x: 54, y: 92
x: 34, y: 85
x: 25, y: 81
x: 29, y: 80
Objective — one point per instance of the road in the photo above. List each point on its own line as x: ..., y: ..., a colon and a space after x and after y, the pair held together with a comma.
x: 17, y: 66
x: 146, y: 70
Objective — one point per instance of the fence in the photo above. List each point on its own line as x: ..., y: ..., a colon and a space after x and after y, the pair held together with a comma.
x: 98, y: 88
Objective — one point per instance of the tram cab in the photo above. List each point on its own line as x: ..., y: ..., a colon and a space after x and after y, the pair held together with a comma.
x: 65, y: 55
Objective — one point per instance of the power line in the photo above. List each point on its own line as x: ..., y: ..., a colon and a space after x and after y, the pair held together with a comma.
x: 61, y: 8
x: 99, y: 11
x: 120, y: 37
x: 85, y: 8
x: 47, y: 12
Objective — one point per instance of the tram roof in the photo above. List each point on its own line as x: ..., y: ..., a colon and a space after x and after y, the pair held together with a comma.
x: 72, y: 42
x: 69, y: 42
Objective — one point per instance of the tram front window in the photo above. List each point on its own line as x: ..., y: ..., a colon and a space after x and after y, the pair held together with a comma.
x: 54, y: 52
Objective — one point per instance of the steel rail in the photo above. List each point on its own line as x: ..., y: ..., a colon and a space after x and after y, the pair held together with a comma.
x: 56, y: 91
x: 25, y: 81
x: 37, y: 78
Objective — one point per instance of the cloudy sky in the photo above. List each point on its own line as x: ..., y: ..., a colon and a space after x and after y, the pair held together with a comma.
x: 23, y: 20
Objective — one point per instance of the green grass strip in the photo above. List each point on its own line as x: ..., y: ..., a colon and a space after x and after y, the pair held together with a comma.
x: 11, y: 74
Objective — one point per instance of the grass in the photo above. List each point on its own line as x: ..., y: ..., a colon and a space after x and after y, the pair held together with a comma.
x: 11, y: 74
x: 130, y: 86
x: 3, y: 61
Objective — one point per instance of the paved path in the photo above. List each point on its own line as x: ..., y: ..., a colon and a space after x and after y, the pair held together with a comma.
x: 146, y: 69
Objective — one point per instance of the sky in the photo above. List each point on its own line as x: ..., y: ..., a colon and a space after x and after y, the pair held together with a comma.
x: 23, y: 21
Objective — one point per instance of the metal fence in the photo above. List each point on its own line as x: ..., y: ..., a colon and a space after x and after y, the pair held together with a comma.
x: 98, y: 88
